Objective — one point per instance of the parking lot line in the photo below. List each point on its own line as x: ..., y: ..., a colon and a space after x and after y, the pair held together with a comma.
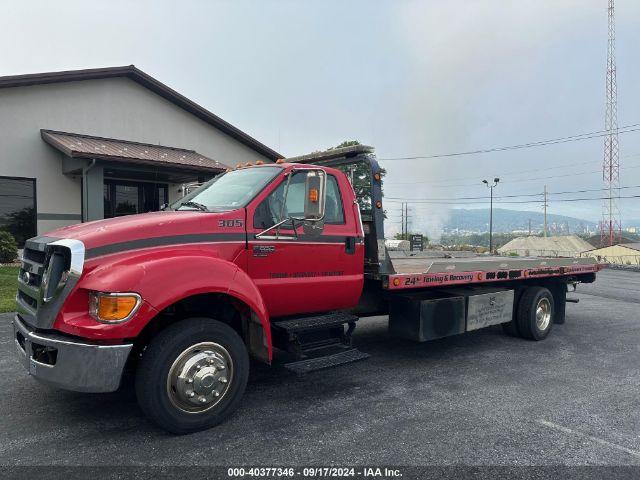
x: 576, y: 433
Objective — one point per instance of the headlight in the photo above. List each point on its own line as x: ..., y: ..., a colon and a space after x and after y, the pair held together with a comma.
x: 113, y: 307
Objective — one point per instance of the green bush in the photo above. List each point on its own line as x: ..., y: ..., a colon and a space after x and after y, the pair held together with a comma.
x: 8, y: 248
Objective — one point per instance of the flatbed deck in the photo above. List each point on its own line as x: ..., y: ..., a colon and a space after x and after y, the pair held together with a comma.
x: 420, y: 272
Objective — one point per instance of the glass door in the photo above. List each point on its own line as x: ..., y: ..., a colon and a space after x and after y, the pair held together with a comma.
x: 126, y: 198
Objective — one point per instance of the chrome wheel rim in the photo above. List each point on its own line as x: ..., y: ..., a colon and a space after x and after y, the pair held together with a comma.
x: 200, y: 377
x: 543, y: 314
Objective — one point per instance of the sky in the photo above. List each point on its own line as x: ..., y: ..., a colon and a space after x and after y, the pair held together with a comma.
x: 411, y: 78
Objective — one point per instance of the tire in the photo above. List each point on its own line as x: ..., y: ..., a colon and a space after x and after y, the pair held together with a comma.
x: 192, y: 375
x: 535, y: 313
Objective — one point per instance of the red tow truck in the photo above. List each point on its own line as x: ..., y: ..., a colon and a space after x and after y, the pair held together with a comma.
x: 280, y: 257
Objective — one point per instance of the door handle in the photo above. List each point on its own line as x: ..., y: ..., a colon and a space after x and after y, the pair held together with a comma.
x: 350, y: 245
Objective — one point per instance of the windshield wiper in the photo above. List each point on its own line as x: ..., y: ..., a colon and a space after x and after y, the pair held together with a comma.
x: 193, y: 204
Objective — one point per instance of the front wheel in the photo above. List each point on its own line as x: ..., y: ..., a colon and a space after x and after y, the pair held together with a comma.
x: 192, y: 375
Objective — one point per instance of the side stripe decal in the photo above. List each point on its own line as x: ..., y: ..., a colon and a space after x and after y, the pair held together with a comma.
x: 202, y: 238
x: 164, y: 241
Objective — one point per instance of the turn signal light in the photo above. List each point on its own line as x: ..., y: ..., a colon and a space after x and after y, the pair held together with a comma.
x: 113, y: 307
x: 259, y: 162
x: 377, y: 176
x: 313, y: 195
x: 280, y: 160
x: 378, y: 204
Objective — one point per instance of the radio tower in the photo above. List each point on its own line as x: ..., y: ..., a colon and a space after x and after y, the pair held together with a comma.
x: 611, y: 226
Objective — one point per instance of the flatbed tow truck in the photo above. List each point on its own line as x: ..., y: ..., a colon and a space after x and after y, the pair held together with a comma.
x: 282, y: 257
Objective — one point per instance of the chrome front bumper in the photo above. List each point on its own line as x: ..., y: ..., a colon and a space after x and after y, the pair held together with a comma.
x: 70, y: 364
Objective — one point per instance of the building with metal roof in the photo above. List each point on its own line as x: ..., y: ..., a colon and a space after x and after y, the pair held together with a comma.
x: 84, y: 145
x: 621, y: 254
x: 560, y: 246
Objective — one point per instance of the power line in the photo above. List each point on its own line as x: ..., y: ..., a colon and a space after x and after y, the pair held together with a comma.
x: 519, y: 172
x: 518, y: 180
x: 524, y: 180
x: 514, y: 172
x: 540, y: 143
x: 429, y: 202
x: 483, y: 197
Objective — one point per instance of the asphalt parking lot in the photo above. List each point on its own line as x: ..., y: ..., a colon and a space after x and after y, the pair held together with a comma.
x: 482, y: 398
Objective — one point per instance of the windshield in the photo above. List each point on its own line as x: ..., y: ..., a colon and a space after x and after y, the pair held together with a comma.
x: 229, y: 191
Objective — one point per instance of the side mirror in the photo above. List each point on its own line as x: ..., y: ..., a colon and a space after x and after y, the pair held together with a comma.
x: 315, y: 195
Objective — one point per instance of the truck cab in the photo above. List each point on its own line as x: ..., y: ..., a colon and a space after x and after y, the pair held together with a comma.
x: 267, y: 257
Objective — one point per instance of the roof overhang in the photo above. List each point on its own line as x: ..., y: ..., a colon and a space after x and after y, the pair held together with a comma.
x: 75, y: 145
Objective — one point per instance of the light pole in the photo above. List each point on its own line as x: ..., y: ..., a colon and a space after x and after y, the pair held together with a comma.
x: 495, y: 182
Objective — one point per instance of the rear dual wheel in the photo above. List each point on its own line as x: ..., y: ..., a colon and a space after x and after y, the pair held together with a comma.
x: 192, y: 375
x: 534, y: 315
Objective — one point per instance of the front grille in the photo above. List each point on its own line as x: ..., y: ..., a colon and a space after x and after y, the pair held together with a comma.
x: 34, y: 255
x: 32, y: 302
x: 33, y: 280
x: 31, y: 272
x: 49, y: 270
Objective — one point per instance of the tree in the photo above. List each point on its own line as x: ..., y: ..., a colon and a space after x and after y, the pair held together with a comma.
x: 360, y: 178
x: 346, y: 143
x: 8, y: 248
x: 21, y: 224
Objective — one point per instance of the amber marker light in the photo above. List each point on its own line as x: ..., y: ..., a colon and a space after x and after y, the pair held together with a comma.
x: 396, y: 282
x: 377, y: 177
x: 378, y: 204
x: 259, y: 162
x: 280, y: 160
x: 113, y: 307
x: 313, y: 195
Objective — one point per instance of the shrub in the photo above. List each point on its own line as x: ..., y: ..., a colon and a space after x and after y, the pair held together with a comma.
x: 8, y: 248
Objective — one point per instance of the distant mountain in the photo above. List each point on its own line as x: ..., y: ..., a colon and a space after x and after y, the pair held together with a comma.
x: 504, y: 220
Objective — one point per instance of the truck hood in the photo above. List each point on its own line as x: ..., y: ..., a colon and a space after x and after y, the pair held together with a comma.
x: 156, y: 225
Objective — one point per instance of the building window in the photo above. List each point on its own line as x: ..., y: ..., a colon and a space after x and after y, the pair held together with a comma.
x: 18, y: 207
x: 126, y: 198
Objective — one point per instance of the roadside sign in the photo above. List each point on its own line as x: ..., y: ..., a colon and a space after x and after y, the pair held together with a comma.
x: 416, y: 243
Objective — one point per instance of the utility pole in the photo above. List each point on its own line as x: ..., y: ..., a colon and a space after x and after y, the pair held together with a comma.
x: 406, y: 232
x: 406, y: 221
x: 402, y: 221
x: 491, y: 187
x: 529, y: 227
x: 545, y: 205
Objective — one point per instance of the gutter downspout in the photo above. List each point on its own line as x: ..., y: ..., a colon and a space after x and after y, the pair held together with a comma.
x: 85, y: 190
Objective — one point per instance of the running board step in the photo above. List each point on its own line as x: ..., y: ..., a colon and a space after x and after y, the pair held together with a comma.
x: 320, y: 363
x: 315, y: 322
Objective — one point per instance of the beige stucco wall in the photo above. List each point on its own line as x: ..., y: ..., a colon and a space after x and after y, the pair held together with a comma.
x: 117, y: 108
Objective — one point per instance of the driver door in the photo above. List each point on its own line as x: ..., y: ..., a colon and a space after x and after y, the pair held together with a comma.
x: 298, y: 273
